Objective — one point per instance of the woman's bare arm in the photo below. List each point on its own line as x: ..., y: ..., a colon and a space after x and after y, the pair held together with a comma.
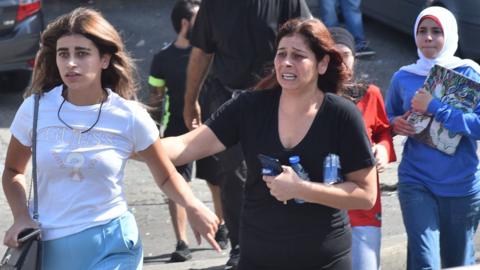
x: 196, y: 144
x: 358, y: 191
x: 14, y: 186
x: 203, y: 221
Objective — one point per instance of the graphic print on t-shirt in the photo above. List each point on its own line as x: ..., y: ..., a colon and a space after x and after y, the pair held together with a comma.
x: 75, y: 161
x: 76, y: 152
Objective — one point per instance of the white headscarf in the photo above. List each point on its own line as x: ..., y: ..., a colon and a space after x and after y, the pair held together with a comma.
x: 446, y: 56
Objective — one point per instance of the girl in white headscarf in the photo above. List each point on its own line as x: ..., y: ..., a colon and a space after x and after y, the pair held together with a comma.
x: 439, y: 193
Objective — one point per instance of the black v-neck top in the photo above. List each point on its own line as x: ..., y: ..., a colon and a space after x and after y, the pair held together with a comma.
x: 293, y: 235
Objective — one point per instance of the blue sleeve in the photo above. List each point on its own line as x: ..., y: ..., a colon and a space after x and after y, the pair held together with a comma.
x: 454, y: 120
x: 394, y: 101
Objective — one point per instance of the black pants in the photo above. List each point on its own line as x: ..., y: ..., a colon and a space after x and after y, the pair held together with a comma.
x: 317, y: 248
x: 231, y: 182
x: 343, y: 263
x: 226, y: 169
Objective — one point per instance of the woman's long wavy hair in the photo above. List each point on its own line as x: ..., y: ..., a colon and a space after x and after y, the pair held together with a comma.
x: 120, y: 76
x: 319, y: 40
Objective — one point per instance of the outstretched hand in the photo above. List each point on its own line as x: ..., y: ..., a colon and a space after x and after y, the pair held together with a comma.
x: 204, y: 223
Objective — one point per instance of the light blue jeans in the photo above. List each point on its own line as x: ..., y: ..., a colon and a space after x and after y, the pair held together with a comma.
x: 351, y: 13
x: 366, y: 241
x: 113, y: 246
x: 440, y: 230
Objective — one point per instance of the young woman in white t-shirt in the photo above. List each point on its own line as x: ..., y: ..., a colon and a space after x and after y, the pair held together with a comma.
x: 89, y: 125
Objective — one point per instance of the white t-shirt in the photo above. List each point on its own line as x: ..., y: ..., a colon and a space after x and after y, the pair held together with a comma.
x: 80, y: 175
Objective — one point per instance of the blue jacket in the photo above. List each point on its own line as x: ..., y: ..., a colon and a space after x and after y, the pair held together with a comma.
x: 444, y: 175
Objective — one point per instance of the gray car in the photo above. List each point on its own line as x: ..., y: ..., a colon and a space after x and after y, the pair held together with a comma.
x: 401, y: 14
x: 21, y: 22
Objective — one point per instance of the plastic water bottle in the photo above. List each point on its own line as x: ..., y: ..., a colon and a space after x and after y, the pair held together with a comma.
x: 331, y: 168
x: 298, y: 168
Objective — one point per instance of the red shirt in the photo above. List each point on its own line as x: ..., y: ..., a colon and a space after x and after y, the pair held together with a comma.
x: 378, y: 129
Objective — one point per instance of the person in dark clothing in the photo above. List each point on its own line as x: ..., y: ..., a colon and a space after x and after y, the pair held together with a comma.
x: 352, y: 16
x: 238, y: 39
x: 167, y: 82
x: 168, y: 71
x: 298, y: 114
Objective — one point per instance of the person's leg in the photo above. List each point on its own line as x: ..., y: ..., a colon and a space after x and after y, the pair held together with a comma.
x: 208, y: 168
x: 420, y: 214
x: 59, y: 254
x: 233, y: 174
x: 353, y: 19
x: 366, y: 242
x: 179, y: 221
x: 123, y: 250
x: 115, y: 245
x: 231, y: 189
x: 459, y: 220
x: 222, y: 233
x: 217, y: 202
x: 328, y: 12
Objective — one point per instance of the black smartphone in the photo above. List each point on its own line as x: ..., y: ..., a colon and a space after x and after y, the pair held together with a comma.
x: 270, y: 166
x: 28, y: 234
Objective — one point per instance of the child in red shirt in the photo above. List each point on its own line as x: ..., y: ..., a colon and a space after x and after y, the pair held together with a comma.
x: 366, y: 224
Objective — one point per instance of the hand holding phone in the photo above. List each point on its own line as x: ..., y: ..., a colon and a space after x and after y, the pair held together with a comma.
x: 27, y: 234
x: 270, y: 166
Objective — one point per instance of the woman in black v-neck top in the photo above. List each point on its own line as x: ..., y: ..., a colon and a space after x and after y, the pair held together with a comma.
x: 300, y: 116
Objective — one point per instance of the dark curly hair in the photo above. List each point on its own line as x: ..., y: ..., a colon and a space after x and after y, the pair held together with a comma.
x: 319, y: 40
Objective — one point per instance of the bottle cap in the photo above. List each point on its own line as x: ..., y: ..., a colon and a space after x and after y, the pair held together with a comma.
x: 294, y: 159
